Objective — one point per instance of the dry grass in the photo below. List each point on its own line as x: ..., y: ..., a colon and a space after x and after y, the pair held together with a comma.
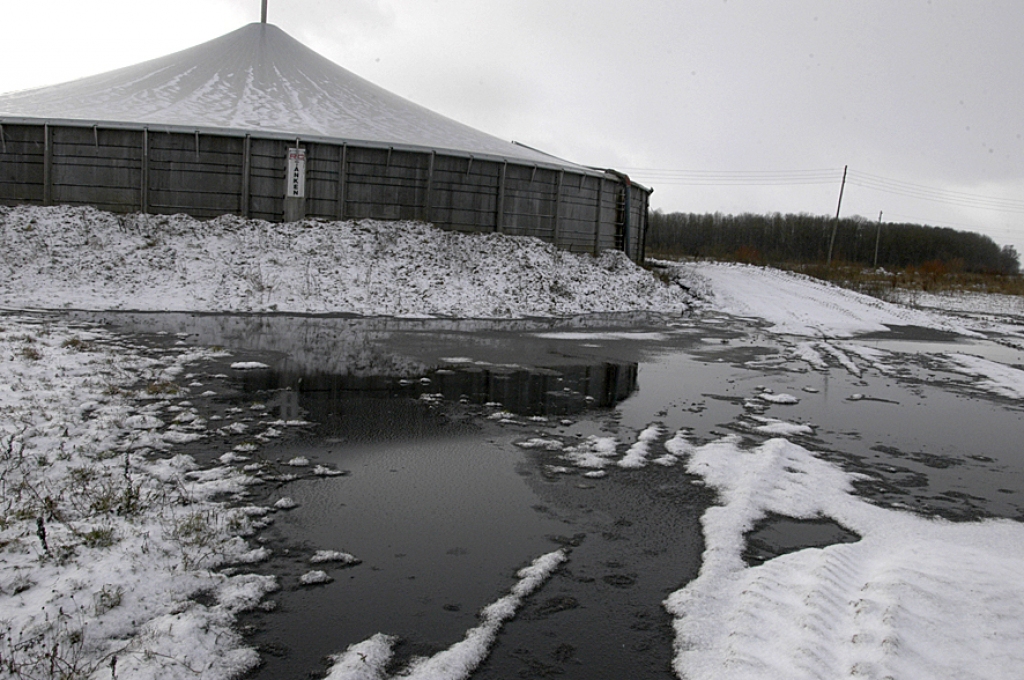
x: 931, y: 279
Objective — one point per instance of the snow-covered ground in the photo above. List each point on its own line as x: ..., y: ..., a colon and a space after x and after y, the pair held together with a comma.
x: 112, y: 541
x: 106, y: 535
x: 913, y: 598
x: 800, y: 305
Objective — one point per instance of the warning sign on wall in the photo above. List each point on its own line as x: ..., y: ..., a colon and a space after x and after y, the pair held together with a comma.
x: 296, y: 178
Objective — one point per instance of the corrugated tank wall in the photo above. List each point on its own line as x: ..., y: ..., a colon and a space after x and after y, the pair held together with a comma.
x: 205, y: 174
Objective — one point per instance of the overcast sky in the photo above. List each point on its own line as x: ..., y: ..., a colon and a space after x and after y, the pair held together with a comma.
x: 720, y: 105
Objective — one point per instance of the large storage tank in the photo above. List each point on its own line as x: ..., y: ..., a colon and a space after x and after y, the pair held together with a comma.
x: 256, y: 124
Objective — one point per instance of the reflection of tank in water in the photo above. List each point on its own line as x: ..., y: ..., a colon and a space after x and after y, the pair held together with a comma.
x: 566, y: 390
x: 285, y: 405
x: 360, y: 406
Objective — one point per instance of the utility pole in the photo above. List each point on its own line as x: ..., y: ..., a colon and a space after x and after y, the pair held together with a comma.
x: 835, y: 226
x: 263, y: 15
x: 878, y: 237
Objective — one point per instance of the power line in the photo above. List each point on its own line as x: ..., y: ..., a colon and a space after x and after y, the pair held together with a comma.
x: 735, y: 177
x: 949, y: 197
x: 866, y: 180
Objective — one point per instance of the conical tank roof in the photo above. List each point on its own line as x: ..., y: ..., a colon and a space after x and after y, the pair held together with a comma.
x: 257, y: 79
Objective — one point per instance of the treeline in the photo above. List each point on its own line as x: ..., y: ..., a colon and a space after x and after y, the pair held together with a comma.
x: 804, y: 238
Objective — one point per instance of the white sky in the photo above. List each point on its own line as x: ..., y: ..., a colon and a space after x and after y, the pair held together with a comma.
x: 916, y: 91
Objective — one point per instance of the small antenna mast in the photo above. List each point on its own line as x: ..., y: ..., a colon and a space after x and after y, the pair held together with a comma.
x: 263, y: 15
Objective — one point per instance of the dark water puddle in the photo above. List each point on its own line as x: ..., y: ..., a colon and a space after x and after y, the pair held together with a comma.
x: 442, y: 508
x: 438, y: 504
x: 777, y: 535
x: 913, y: 340
x: 441, y: 525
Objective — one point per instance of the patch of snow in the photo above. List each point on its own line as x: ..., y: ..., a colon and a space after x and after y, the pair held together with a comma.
x: 593, y: 453
x: 996, y: 378
x: 636, y: 456
x: 679, y: 445
x: 783, y: 399
x: 541, y: 443
x: 324, y: 471
x: 913, y: 598
x: 248, y: 365
x: 120, y: 580
x: 844, y: 360
x: 806, y: 351
x: 321, y: 556
x: 179, y: 437
x: 781, y: 428
x: 143, y: 422
x: 364, y: 660
x: 316, y: 577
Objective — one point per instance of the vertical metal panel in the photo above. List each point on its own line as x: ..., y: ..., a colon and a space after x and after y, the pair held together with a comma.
x: 499, y: 224
x: 644, y: 223
x: 430, y: 187
x: 597, y: 215
x: 47, y: 166
x: 556, y: 219
x: 342, y: 179
x: 246, y: 173
x: 21, y: 165
x: 144, y: 184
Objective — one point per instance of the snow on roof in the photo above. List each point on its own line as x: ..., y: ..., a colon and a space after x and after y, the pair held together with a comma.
x: 257, y: 79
